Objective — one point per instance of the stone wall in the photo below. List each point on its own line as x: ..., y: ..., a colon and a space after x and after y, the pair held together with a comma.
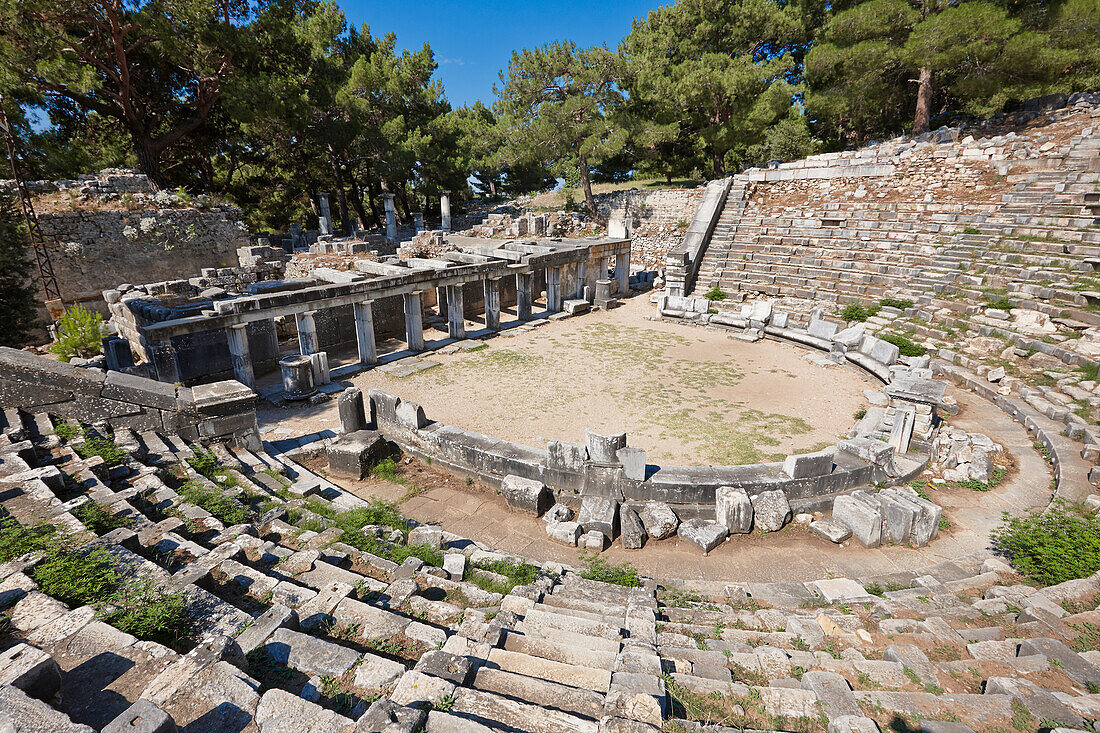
x: 93, y: 251
x: 217, y: 411
x: 659, y: 220
x: 111, y: 228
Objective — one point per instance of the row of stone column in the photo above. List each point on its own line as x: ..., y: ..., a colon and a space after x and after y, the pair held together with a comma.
x: 391, y: 215
x: 450, y: 302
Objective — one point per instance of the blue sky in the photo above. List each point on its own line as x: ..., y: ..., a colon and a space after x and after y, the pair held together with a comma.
x: 474, y: 41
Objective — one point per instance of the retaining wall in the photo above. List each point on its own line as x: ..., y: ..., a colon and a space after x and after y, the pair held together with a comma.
x: 217, y: 411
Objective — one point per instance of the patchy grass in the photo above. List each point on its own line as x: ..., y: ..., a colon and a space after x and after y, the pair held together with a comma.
x: 596, y: 568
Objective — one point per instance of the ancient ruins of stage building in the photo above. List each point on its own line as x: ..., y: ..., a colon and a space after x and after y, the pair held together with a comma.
x: 187, y: 331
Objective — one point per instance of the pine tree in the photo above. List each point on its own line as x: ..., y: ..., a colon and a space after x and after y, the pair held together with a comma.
x: 880, y: 63
x: 717, y: 70
x: 17, y: 289
x: 557, y: 108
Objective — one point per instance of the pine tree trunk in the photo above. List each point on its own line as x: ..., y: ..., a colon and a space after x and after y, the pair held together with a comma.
x: 719, y: 162
x: 341, y: 198
x: 357, y: 199
x: 586, y: 184
x: 148, y: 161
x: 923, y: 117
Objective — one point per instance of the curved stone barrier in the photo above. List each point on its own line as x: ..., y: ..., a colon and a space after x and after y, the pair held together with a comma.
x: 888, y: 445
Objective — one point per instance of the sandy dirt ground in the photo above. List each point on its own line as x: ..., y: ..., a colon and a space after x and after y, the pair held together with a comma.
x: 688, y: 396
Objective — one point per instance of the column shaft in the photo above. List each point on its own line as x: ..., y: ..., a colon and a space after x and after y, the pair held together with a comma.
x: 553, y: 289
x: 239, y: 354
x: 523, y: 295
x: 456, y: 325
x: 414, y: 321
x: 622, y: 273
x: 492, y: 303
x: 364, y: 332
x: 307, y: 333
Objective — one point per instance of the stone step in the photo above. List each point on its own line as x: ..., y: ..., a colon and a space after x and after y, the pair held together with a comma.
x: 556, y: 649
x: 571, y: 675
x: 551, y: 621
x: 502, y: 713
x: 574, y: 700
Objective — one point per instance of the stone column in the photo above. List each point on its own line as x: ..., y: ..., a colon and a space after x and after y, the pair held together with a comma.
x: 445, y: 210
x: 418, y: 221
x: 391, y: 217
x: 553, y: 289
x: 364, y: 332
x: 622, y: 272
x: 524, y: 284
x: 592, y: 273
x: 414, y: 321
x: 326, y: 216
x: 238, y: 352
x: 582, y: 273
x: 492, y: 303
x: 441, y: 302
x: 307, y: 333
x: 164, y: 359
x: 456, y: 325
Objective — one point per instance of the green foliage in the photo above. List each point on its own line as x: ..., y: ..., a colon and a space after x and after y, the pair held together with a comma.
x: 149, y: 611
x: 225, y: 508
x: 16, y: 539
x: 598, y: 569
x: 899, y: 303
x: 714, y: 294
x: 78, y: 579
x: 1000, y: 303
x: 906, y: 347
x: 386, y: 469
x: 854, y: 312
x: 96, y: 518
x: 1050, y: 547
x: 557, y: 104
x: 66, y: 430
x: 17, y: 287
x: 205, y: 464
x: 105, y: 448
x: 79, y: 334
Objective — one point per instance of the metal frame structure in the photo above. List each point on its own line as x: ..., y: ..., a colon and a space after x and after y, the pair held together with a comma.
x: 46, y: 275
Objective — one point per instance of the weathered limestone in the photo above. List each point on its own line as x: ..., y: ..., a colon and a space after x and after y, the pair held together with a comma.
x: 237, y: 337
x: 391, y: 217
x: 659, y: 519
x: 351, y: 410
x: 307, y: 333
x: 633, y: 532
x: 704, y: 534
x: 524, y: 286
x: 553, y: 289
x: 414, y: 321
x: 354, y: 454
x: 604, y: 448
x: 527, y: 495
x: 491, y: 288
x: 860, y: 513
x: 445, y: 210
x: 601, y: 514
x: 771, y: 510
x: 734, y: 510
x: 456, y: 326
x: 803, y: 465
x: 364, y: 332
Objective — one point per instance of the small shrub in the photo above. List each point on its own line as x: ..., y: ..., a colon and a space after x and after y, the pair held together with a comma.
x: 77, y: 579
x: 972, y: 230
x: 205, y: 464
x: 715, y: 294
x: 1002, y: 303
x: 226, y: 509
x: 79, y: 334
x: 860, y: 413
x: 906, y: 347
x: 898, y: 303
x: 16, y: 540
x: 385, y: 468
x: 96, y: 518
x: 67, y: 431
x: 854, y: 312
x: 105, y: 448
x: 598, y: 569
x: 149, y: 611
x: 1053, y: 546
x: 521, y: 572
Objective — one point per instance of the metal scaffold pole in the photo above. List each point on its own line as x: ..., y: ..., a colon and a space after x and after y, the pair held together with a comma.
x: 50, y: 288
